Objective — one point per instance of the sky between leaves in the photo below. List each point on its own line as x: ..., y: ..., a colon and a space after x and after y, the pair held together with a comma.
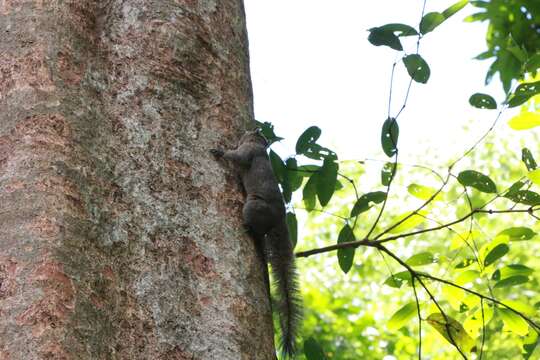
x: 311, y: 64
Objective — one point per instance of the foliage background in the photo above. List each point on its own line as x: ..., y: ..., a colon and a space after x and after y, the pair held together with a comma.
x: 348, y: 314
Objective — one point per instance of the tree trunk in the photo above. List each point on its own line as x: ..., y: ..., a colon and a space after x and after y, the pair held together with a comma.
x: 120, y: 235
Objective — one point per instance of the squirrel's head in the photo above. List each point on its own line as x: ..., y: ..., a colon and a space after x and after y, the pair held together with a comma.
x: 254, y: 136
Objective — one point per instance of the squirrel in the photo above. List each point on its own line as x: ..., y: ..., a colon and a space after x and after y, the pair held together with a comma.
x: 264, y: 218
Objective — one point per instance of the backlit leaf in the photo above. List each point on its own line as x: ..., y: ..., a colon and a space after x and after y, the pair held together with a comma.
x: 422, y: 258
x: 534, y: 176
x: 462, y: 239
x: 454, y: 8
x: 397, y: 279
x: 430, y: 21
x: 523, y: 308
x: 513, y: 322
x: 423, y: 192
x: 525, y: 120
x: 474, y: 323
x: 467, y: 277
x: 452, y: 331
x: 412, y: 221
x: 402, y: 316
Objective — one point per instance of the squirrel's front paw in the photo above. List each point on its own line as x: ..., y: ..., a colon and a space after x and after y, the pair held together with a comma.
x: 217, y: 152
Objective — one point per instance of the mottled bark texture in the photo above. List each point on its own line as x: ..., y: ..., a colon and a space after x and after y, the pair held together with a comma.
x: 120, y: 235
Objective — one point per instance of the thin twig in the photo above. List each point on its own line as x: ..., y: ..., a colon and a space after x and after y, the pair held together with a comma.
x: 419, y: 319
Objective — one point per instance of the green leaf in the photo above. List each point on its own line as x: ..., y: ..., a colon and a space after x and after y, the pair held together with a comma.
x: 518, y: 233
x: 292, y: 179
x: 523, y: 308
x: 308, y: 170
x: 452, y: 331
x: 534, y: 176
x: 293, y: 174
x: 514, y: 188
x: 525, y: 120
x: 477, y: 180
x: 495, y: 254
x: 345, y: 256
x: 326, y: 181
x: 529, y: 344
x: 533, y: 64
x: 454, y: 8
x: 292, y: 225
x: 482, y: 101
x: 420, y: 259
x: 387, y: 173
x: 365, y: 201
x: 467, y: 276
x: 308, y: 137
x: 528, y: 159
x: 526, y: 197
x: 267, y: 130
x: 430, y: 21
x: 397, y: 279
x: 417, y: 68
x: 423, y: 192
x: 513, y: 322
x: 476, y: 322
x: 318, y: 152
x: 380, y: 37
x: 313, y: 350
x: 309, y: 193
x: 523, y: 93
x: 402, y: 316
x: 277, y: 166
x: 465, y: 263
x: 412, y: 221
x: 511, y: 281
x: 389, y: 137
x: 485, y: 55
x: 510, y: 271
x: 401, y: 29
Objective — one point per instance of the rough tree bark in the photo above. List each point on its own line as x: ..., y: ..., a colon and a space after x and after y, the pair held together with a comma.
x: 120, y: 236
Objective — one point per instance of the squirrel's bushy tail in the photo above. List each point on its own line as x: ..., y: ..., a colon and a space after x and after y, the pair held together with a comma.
x: 288, y: 300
